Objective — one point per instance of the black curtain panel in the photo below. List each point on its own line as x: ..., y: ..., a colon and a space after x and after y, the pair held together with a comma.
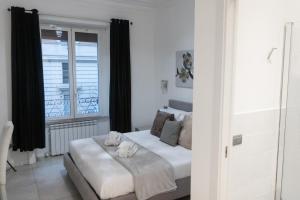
x: 120, y: 77
x: 28, y: 112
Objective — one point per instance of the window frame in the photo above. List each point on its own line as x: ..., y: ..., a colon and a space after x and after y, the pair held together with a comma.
x: 101, y: 52
x: 74, y: 30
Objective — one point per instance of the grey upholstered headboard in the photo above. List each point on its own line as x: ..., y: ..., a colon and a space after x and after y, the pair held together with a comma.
x: 181, y: 105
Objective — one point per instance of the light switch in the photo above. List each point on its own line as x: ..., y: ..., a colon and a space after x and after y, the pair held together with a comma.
x: 237, y: 140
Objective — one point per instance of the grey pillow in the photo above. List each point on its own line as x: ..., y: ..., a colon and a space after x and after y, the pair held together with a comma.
x: 159, y: 122
x: 170, y: 132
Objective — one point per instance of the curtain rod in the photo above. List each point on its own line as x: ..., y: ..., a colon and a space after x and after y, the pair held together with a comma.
x: 9, y: 9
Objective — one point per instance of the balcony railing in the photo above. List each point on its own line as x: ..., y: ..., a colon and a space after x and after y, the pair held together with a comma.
x: 61, y: 107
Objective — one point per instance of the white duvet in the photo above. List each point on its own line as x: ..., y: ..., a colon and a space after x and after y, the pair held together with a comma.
x: 109, y: 178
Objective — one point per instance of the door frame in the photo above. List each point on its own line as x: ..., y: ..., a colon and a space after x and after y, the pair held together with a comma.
x: 215, y: 41
x: 227, y: 100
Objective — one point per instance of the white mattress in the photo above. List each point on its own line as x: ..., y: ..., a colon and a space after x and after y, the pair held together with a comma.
x: 109, y: 178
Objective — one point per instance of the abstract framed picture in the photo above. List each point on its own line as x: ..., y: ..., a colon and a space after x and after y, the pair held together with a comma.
x: 185, y: 68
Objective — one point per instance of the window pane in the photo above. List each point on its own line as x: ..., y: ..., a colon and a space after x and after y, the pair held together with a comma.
x: 56, y: 73
x: 87, y: 73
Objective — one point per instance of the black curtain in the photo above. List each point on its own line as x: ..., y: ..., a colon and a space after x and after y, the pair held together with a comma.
x: 120, y: 77
x: 28, y: 112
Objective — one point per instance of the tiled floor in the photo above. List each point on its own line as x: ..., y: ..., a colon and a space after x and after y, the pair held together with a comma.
x: 46, y: 180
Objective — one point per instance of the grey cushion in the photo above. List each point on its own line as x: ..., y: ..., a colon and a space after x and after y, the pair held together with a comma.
x: 170, y: 132
x: 159, y: 122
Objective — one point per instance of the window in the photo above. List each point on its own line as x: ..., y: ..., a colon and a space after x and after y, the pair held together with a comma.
x: 71, y: 72
x: 86, y: 50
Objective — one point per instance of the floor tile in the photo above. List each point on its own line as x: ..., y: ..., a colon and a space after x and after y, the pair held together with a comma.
x: 46, y: 172
x: 58, y: 188
x: 20, y: 178
x: 48, y: 161
x: 27, y: 192
x: 22, y: 168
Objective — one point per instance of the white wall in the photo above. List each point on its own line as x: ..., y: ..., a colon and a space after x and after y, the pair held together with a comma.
x: 142, y: 46
x: 258, y: 31
x: 174, y: 31
x: 253, y: 164
x: 292, y: 13
x: 257, y: 82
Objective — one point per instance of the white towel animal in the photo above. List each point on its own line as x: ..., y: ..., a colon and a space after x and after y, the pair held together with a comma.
x: 127, y: 149
x: 113, y: 138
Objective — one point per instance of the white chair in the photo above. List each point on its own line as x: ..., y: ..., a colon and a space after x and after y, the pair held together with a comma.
x: 5, y: 139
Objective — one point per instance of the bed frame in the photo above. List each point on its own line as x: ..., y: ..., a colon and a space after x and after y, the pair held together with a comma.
x: 88, y: 193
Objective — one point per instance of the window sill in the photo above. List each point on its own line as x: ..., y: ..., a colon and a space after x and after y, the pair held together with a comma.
x: 80, y: 119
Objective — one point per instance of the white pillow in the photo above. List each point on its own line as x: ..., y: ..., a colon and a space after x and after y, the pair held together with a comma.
x: 178, y: 114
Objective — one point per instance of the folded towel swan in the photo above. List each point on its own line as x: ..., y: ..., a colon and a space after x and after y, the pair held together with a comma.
x: 127, y: 149
x: 114, y: 138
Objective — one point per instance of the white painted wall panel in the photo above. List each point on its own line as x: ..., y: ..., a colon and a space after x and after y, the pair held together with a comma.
x: 253, y: 164
x: 174, y: 31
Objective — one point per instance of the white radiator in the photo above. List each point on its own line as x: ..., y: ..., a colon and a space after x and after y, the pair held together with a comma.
x: 62, y: 134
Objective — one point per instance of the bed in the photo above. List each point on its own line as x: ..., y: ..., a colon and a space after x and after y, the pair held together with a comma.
x: 97, y: 176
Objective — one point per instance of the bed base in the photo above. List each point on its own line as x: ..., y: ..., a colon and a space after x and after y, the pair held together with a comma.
x: 88, y: 193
